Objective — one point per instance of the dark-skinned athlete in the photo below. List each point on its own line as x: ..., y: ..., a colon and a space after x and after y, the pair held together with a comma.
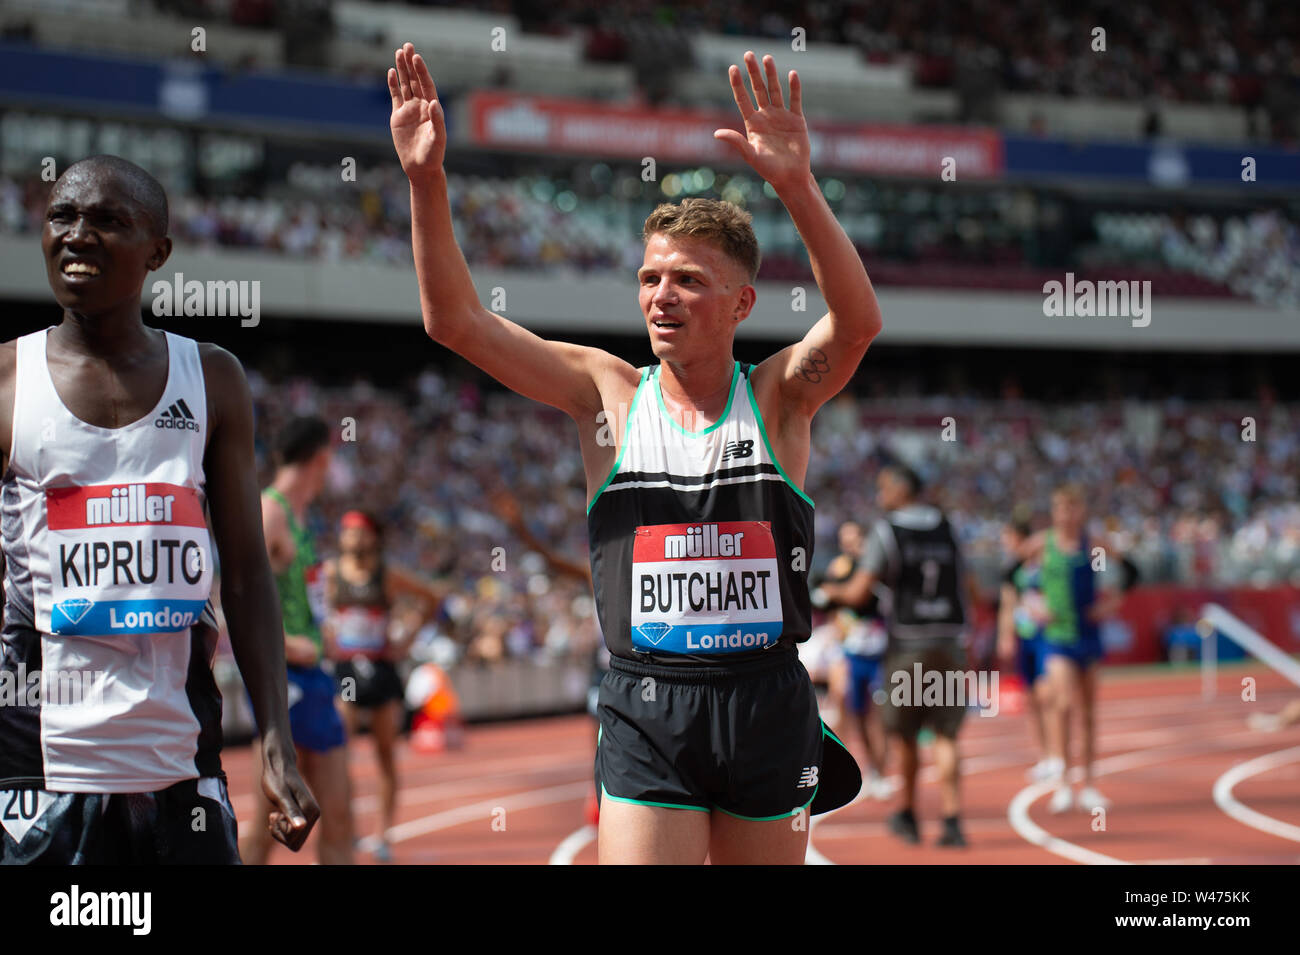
x: 699, y: 530
x: 118, y: 440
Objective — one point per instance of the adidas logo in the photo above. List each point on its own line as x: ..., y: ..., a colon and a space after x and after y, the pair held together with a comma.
x: 738, y: 449
x: 177, y: 416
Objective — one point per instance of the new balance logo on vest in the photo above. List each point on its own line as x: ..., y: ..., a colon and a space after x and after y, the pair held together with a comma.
x: 738, y: 449
x: 177, y: 416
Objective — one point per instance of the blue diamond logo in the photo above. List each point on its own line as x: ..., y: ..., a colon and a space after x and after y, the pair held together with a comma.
x: 654, y: 632
x: 74, y: 609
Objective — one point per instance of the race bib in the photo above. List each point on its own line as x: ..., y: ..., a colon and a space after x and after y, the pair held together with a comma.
x: 866, y: 638
x: 20, y: 809
x: 360, y: 630
x: 705, y: 588
x: 129, y: 558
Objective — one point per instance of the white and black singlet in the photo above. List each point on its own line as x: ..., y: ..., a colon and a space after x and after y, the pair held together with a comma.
x: 105, y: 672
x: 700, y: 542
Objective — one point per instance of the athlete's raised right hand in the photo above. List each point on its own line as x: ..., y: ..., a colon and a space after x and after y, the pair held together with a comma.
x: 418, y: 125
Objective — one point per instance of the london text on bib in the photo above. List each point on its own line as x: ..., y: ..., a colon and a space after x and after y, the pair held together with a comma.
x: 126, y: 558
x: 705, y: 588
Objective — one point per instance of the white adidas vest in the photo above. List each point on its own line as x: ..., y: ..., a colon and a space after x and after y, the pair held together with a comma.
x: 115, y: 562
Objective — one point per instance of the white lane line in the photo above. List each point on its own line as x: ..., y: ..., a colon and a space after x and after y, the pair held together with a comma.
x: 483, y: 812
x: 969, y: 767
x: 432, y: 792
x: 573, y: 843
x: 1027, y: 829
x: 1018, y: 816
x: 1230, y: 804
x: 1198, y: 860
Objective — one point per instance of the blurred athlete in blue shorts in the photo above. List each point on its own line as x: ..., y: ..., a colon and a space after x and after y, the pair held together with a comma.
x: 863, y: 639
x: 302, y: 458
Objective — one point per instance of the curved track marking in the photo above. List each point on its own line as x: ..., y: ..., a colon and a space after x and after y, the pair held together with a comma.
x: 571, y: 845
x: 1116, y: 713
x: 1030, y: 831
x: 1027, y: 829
x: 976, y: 764
x: 1229, y: 803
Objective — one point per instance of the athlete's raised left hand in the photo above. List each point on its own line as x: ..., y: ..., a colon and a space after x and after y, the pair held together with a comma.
x: 776, y: 142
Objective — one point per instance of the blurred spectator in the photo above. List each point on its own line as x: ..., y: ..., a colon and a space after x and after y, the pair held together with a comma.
x: 1190, y: 50
x: 909, y: 233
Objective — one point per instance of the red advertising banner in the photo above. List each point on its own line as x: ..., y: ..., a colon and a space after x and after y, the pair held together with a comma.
x: 1138, y: 634
x: 503, y: 119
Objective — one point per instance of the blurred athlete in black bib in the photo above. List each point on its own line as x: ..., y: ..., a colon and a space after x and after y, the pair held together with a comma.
x: 700, y: 533
x: 913, y: 552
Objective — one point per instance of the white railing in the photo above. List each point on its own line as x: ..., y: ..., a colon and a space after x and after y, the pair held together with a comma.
x: 1215, y: 620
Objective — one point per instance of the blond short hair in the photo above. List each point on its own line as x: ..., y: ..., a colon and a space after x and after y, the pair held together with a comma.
x: 1072, y: 491
x: 723, y: 224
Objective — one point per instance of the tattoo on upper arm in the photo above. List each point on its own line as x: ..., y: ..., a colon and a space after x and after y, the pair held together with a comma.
x: 813, y: 366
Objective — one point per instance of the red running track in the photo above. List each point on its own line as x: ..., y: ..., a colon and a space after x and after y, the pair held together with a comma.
x: 514, y: 794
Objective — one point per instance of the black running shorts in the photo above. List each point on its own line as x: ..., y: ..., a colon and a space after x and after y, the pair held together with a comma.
x: 190, y: 823
x: 373, y: 682
x: 905, y: 711
x: 745, y: 739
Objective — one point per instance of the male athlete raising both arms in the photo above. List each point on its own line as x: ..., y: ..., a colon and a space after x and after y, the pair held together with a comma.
x: 120, y: 444
x: 710, y: 742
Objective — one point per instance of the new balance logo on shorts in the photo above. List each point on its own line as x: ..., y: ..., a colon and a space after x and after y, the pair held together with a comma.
x: 738, y: 449
x: 808, y: 778
x: 177, y: 416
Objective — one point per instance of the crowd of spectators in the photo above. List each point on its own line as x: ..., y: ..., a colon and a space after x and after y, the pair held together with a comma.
x: 425, y: 460
x: 909, y: 233
x: 1182, y: 488
x: 1246, y: 53
x: 1255, y: 255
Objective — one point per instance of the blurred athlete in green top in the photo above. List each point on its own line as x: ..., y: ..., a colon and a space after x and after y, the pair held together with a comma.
x: 1071, y: 640
x: 302, y: 457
